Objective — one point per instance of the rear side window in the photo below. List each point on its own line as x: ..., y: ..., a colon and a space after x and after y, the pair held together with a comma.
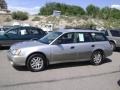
x: 34, y: 31
x: 115, y: 33
x: 23, y: 31
x: 83, y: 37
x: 98, y: 37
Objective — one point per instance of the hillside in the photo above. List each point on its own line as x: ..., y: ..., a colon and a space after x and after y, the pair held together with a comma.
x: 68, y: 22
x: 71, y: 16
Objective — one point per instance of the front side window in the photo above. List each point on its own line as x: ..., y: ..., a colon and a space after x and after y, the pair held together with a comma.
x: 98, y: 37
x: 67, y: 38
x: 50, y: 37
x: 12, y: 32
x: 115, y: 33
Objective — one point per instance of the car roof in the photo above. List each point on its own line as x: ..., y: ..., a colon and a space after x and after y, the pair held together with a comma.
x: 76, y: 30
x: 16, y: 27
x: 24, y: 26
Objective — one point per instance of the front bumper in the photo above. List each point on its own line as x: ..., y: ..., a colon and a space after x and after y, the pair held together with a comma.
x: 16, y: 60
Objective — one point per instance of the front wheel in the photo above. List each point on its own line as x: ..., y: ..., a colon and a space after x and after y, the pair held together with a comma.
x: 36, y: 62
x: 97, y: 58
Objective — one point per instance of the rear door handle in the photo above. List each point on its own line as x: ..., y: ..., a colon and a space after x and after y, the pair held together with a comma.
x: 72, y: 47
x: 92, y: 45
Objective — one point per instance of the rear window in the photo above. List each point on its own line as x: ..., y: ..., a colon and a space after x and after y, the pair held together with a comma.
x: 115, y: 33
x: 98, y: 37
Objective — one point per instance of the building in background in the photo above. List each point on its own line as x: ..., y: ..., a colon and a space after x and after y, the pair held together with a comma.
x: 3, y: 7
x: 5, y: 14
x: 56, y: 13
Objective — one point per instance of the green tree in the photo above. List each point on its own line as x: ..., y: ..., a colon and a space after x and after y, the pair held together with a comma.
x: 93, y: 10
x: 115, y: 13
x: 19, y: 15
x: 105, y: 13
x: 64, y: 8
x: 110, y: 13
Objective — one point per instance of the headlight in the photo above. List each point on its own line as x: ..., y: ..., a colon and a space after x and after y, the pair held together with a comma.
x: 16, y: 51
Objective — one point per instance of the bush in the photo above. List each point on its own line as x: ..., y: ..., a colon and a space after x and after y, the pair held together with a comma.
x: 19, y: 15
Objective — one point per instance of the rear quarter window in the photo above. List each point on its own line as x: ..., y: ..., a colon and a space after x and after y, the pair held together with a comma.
x: 105, y: 32
x: 98, y: 37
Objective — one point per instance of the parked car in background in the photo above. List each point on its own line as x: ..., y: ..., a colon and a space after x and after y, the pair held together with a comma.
x: 114, y: 37
x: 4, y: 29
x: 20, y: 33
x: 59, y: 47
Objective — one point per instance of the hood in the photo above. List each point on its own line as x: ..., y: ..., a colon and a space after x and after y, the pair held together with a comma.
x: 26, y: 44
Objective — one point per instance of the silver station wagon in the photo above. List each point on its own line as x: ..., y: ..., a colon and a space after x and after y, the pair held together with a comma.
x: 61, y: 46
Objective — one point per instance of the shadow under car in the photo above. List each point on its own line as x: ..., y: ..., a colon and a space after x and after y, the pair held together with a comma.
x: 63, y: 65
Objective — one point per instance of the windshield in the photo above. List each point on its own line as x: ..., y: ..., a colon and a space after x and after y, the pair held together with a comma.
x: 50, y: 37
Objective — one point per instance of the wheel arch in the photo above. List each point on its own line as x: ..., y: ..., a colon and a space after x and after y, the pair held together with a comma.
x: 102, y: 51
x: 37, y: 53
x: 113, y: 41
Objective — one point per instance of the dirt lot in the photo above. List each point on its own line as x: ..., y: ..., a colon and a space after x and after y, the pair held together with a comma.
x: 69, y: 76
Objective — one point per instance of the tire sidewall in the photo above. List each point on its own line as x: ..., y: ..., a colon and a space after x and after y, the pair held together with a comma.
x: 29, y: 60
x: 92, y: 58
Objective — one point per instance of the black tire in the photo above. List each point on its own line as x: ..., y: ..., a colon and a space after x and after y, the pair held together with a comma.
x: 97, y: 58
x: 36, y: 62
x: 113, y: 46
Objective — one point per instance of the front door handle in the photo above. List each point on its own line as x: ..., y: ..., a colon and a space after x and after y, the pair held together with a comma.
x: 72, y: 47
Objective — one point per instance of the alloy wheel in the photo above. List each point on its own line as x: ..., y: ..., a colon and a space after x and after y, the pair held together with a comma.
x: 36, y: 63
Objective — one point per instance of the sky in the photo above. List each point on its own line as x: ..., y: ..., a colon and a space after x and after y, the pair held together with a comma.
x: 33, y: 6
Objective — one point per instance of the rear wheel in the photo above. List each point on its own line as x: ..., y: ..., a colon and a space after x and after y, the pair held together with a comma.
x: 36, y: 62
x: 97, y: 58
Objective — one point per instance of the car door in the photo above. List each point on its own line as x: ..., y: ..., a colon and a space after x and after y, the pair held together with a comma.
x: 64, y: 48
x: 84, y: 45
x: 23, y: 34
x: 10, y: 37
